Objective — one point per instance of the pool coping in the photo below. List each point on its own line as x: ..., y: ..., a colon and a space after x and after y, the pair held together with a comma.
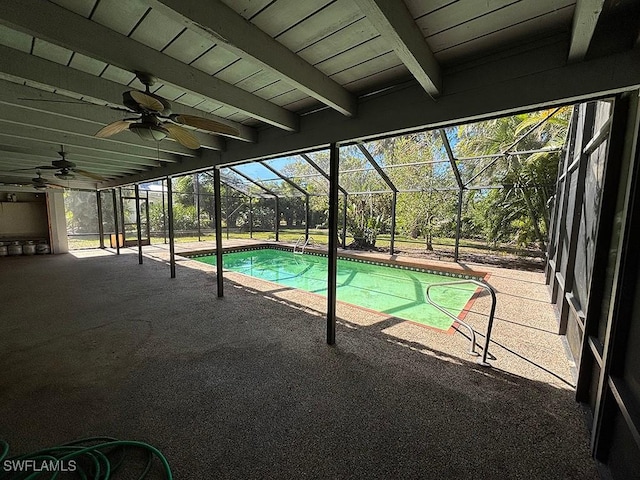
x: 366, y: 257
x: 394, y: 261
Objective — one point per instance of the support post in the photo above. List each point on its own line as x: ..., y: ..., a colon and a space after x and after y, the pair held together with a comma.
x: 146, y: 208
x: 226, y: 208
x: 100, y: 220
x: 458, y: 225
x: 307, y: 216
x: 393, y: 221
x: 277, y: 219
x: 138, y: 223
x: 115, y: 220
x: 461, y: 187
x: 164, y: 218
x: 389, y: 183
x: 332, y: 269
x: 217, y: 201
x: 250, y: 217
x: 124, y: 228
x: 197, y: 188
x: 172, y: 251
x: 344, y: 221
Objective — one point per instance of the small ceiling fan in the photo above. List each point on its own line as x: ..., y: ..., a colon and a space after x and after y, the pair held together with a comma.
x: 156, y: 122
x: 66, y: 169
x: 39, y: 183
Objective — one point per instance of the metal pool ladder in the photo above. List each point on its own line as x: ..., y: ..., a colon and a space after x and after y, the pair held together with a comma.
x: 303, y: 244
x: 490, y: 289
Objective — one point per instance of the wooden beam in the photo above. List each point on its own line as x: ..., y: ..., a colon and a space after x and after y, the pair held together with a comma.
x: 209, y: 159
x: 484, y: 91
x: 29, y: 67
x: 222, y: 25
x: 585, y: 18
x: 478, y: 93
x: 395, y: 23
x: 81, y: 35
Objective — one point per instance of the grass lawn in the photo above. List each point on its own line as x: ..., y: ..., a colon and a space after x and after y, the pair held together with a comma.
x: 320, y: 236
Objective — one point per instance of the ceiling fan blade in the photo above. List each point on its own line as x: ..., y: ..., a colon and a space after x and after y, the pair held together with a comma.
x: 204, y: 124
x: 183, y: 136
x: 45, y: 167
x: 17, y: 182
x: 113, y: 128
x: 147, y: 101
x: 95, y: 176
x: 122, y: 109
x: 24, y: 169
x: 53, y: 101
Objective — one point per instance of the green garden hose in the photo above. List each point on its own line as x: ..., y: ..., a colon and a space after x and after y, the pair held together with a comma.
x: 95, y: 458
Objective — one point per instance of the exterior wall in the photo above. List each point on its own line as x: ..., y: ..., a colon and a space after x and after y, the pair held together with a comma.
x: 593, y: 273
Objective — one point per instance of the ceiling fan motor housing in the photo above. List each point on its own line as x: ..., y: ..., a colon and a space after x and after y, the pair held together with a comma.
x: 65, y: 174
x: 63, y: 163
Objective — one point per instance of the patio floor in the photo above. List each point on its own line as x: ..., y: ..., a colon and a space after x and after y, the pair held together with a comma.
x: 246, y: 387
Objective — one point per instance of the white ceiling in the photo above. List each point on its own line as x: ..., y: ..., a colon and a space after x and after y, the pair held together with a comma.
x: 289, y: 75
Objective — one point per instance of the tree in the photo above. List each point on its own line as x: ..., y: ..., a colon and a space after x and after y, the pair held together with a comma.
x: 518, y: 211
x: 81, y: 211
x: 427, y: 206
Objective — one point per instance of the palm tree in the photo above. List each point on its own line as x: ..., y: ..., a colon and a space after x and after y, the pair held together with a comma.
x: 519, y: 209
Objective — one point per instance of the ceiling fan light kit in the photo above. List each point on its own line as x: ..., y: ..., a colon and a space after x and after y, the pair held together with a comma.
x: 149, y: 131
x: 65, y: 175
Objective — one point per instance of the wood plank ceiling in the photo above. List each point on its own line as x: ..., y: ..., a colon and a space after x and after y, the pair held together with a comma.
x: 253, y: 65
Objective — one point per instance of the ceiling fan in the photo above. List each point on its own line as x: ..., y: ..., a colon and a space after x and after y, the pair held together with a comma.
x: 39, y: 183
x: 66, y: 169
x: 156, y: 122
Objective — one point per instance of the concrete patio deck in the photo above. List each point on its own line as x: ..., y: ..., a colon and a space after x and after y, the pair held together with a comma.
x: 246, y: 387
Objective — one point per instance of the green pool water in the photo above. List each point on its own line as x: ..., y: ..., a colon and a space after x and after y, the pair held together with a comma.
x: 394, y: 291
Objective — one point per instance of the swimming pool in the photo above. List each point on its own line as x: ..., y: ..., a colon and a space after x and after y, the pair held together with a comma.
x: 394, y: 291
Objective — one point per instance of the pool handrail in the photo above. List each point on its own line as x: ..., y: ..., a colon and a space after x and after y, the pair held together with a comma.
x: 310, y: 241
x: 307, y: 242
x: 299, y: 242
x: 492, y: 292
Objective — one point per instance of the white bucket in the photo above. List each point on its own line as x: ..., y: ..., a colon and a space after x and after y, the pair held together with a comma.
x: 15, y: 248
x: 43, y: 248
x: 29, y: 248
